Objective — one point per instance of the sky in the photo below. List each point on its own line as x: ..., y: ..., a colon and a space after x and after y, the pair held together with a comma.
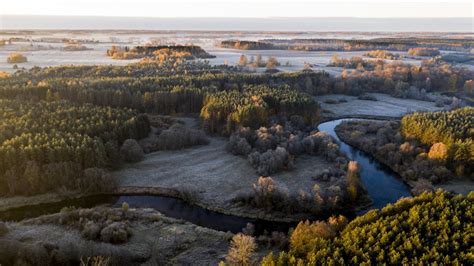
x: 240, y: 8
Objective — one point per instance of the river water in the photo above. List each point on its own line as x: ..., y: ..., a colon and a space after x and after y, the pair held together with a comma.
x: 383, y: 185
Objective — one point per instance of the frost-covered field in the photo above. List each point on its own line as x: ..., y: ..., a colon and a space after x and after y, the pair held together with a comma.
x: 213, y: 176
x: 43, y: 51
x: 385, y: 105
x: 54, y: 56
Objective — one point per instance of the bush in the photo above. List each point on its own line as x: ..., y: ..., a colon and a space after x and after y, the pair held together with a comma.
x: 91, y: 230
x: 104, y: 224
x: 125, y: 207
x: 116, y: 232
x: 422, y: 185
x: 238, y: 145
x: 331, y: 101
x: 423, y: 51
x: 131, y: 151
x: 307, y: 235
x: 268, y: 195
x: 271, y: 161
x: 317, y: 143
x: 367, y: 97
x: 438, y: 151
x: 439, y: 102
x: 342, y: 100
x: 382, y: 54
x: 179, y: 136
x: 242, y: 249
x: 95, y: 261
x: 16, y: 58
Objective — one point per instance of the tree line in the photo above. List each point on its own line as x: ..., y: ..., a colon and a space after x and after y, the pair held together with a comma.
x: 46, y: 145
x: 227, y: 111
x: 428, y: 229
x: 449, y: 134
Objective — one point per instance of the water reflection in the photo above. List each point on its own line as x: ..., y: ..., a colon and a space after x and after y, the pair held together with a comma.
x: 384, y: 186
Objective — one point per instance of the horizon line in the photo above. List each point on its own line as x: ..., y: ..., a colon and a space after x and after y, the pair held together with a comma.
x: 269, y: 17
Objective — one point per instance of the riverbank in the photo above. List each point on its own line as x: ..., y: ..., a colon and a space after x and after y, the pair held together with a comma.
x: 211, y: 177
x: 382, y: 184
x: 153, y: 238
x: 187, y: 175
x: 360, y: 138
x: 7, y: 203
x: 206, y: 247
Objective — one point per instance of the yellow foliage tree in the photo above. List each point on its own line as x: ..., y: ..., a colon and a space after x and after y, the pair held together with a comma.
x: 241, y: 250
x: 16, y: 58
x: 438, y: 151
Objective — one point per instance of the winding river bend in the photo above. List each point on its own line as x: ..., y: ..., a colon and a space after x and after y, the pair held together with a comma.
x: 383, y: 186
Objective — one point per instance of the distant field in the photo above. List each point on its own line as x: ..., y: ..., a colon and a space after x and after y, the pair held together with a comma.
x: 384, y: 106
x: 46, y: 49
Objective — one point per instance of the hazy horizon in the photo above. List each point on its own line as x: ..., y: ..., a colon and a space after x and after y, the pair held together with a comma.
x: 242, y: 8
x: 393, y: 24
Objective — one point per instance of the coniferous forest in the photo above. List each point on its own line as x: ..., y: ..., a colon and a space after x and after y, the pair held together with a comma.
x: 171, y: 154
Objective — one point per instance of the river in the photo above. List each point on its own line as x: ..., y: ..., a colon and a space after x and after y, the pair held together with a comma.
x: 383, y: 185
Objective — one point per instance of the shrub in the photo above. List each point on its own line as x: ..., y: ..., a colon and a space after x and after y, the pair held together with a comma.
x: 179, y: 136
x: 383, y: 54
x: 367, y: 97
x: 238, y: 145
x: 331, y: 101
x: 91, y: 230
x: 317, y: 143
x: 16, y: 58
x: 439, y: 102
x: 307, y: 236
x: 438, y: 151
x: 125, y: 207
x: 272, y: 63
x: 116, y: 232
x: 342, y: 100
x: 271, y: 161
x: 131, y: 151
x: 249, y: 229
x: 242, y: 249
x: 423, y: 51
x: 270, y: 195
x: 422, y: 185
x: 95, y: 261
